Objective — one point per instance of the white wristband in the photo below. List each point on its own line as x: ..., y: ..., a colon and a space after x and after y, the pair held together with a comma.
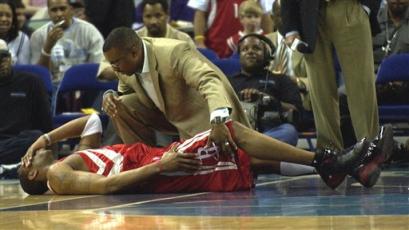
x: 47, y: 139
x: 45, y: 53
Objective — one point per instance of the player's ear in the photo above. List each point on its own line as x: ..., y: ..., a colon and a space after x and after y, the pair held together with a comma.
x: 32, y: 174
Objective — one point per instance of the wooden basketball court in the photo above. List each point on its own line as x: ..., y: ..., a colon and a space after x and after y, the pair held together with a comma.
x: 276, y: 203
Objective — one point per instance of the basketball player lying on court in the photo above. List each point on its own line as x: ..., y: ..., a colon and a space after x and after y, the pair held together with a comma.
x: 188, y: 166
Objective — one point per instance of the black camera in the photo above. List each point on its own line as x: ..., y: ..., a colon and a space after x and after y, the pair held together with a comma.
x: 269, y: 112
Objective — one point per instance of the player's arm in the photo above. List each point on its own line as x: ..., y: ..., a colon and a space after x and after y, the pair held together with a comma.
x: 64, y: 180
x: 70, y: 129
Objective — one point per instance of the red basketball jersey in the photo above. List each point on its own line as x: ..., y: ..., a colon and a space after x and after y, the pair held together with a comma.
x: 218, y: 172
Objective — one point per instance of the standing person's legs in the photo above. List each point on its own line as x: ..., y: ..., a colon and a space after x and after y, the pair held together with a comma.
x: 351, y: 34
x: 323, y: 88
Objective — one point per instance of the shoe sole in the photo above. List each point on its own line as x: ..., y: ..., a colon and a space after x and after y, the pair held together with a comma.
x: 335, y: 180
x: 371, y: 173
x: 372, y: 170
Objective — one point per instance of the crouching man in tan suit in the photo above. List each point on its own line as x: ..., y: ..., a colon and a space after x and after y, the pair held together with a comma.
x: 168, y: 86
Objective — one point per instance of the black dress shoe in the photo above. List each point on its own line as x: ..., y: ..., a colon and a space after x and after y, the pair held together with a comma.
x: 380, y: 149
x: 333, y: 165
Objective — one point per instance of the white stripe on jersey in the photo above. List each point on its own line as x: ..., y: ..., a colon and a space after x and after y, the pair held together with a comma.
x: 114, y: 157
x: 101, y: 165
x: 204, y: 153
x: 189, y: 142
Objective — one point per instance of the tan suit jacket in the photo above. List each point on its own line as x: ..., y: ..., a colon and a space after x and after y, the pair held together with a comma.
x: 170, y: 33
x: 187, y: 85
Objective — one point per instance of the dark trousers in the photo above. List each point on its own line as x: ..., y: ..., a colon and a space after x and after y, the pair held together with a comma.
x: 13, y: 148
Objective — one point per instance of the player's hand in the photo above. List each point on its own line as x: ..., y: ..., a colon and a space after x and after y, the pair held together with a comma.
x: 172, y: 161
x: 221, y: 137
x: 28, y: 157
x: 110, y: 104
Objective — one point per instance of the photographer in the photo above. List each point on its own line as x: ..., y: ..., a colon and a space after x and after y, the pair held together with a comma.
x: 276, y: 97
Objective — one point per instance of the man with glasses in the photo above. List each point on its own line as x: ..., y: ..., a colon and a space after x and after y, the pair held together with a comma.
x: 169, y: 87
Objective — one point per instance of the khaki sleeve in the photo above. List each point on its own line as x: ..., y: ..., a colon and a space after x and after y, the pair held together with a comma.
x: 201, y: 75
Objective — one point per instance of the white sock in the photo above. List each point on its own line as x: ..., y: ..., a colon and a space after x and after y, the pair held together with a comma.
x: 291, y: 169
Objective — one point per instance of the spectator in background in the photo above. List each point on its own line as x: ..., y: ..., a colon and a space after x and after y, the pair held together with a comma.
x: 32, y: 6
x: 256, y: 84
x: 24, y: 110
x: 155, y: 20
x: 284, y: 63
x: 215, y: 21
x: 394, y: 37
x: 250, y: 13
x: 59, y: 46
x: 18, y: 42
x: 79, y: 9
x: 22, y: 18
x: 109, y: 14
x: 277, y: 93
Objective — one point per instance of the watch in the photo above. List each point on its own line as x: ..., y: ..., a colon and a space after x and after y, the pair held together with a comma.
x: 218, y: 120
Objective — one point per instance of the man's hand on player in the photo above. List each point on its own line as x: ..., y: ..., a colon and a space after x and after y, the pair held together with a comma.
x: 221, y: 137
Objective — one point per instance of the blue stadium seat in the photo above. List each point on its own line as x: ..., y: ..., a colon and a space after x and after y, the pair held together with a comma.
x: 229, y: 66
x: 208, y: 53
x: 394, y: 68
x: 39, y: 71
x: 79, y: 77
